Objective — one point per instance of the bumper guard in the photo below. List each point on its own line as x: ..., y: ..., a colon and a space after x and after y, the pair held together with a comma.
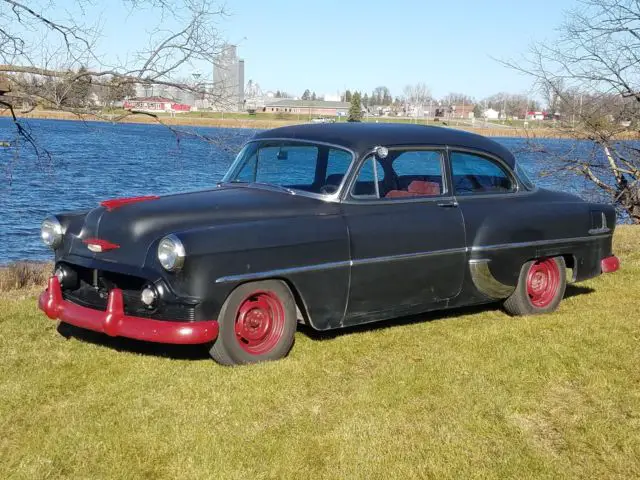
x: 115, y: 323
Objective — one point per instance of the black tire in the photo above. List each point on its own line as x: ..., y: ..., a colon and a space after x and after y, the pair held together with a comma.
x: 264, y: 309
x: 540, y: 288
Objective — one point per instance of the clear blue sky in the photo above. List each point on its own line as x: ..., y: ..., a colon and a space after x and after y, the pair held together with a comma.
x: 337, y: 44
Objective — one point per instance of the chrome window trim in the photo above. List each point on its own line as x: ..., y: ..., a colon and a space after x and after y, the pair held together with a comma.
x: 334, y: 197
x: 481, y: 153
x: 442, y: 149
x: 400, y: 257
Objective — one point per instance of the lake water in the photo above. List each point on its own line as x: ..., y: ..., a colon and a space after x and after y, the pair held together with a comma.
x: 95, y: 161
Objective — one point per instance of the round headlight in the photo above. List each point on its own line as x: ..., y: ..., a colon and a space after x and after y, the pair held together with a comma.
x: 51, y: 232
x: 171, y: 253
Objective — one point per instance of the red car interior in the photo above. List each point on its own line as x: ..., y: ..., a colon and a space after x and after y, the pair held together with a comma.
x: 417, y: 188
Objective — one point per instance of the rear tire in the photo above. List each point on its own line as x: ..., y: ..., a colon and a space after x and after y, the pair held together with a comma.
x: 540, y: 288
x: 257, y: 323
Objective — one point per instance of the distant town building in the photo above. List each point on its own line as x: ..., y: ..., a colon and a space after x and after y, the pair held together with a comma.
x: 491, y: 114
x: 309, y: 107
x: 155, y: 105
x: 228, y: 80
x: 535, y: 115
x: 461, y: 111
x: 332, y: 97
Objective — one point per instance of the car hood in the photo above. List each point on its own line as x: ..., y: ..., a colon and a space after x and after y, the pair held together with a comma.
x: 135, y: 228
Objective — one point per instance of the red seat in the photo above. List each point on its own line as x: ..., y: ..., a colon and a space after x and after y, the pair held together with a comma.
x: 417, y: 188
x: 424, y: 188
x: 398, y: 194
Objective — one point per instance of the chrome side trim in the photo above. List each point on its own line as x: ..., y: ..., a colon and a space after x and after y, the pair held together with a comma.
x: 535, y: 243
x: 407, y: 256
x: 599, y: 231
x: 282, y: 271
x: 485, y: 282
x: 330, y: 265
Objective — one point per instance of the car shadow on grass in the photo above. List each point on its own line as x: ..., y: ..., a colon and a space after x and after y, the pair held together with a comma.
x: 571, y: 291
x: 177, y: 352
x: 575, y: 290
x: 201, y: 352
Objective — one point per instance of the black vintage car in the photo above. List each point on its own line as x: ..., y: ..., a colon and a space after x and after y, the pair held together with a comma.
x: 330, y: 226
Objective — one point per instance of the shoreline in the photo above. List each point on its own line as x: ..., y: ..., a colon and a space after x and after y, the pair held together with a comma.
x: 261, y: 123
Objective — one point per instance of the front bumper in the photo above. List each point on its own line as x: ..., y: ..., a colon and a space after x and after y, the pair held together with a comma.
x: 115, y: 323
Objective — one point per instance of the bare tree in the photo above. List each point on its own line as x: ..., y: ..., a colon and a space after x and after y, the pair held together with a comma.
x: 51, y: 57
x: 417, y: 94
x: 457, y: 99
x: 511, y: 104
x: 591, y: 74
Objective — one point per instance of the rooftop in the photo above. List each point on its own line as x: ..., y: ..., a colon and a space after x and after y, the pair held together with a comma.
x: 288, y: 102
x: 362, y: 137
x: 151, y: 99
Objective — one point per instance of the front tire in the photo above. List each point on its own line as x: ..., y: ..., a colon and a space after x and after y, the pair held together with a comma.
x: 540, y: 288
x: 257, y: 323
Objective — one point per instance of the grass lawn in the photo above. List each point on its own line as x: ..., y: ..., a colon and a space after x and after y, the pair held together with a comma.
x: 473, y: 393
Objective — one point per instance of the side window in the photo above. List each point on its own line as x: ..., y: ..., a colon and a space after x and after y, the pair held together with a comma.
x: 474, y: 174
x: 369, y: 180
x: 338, y: 162
x: 418, y: 173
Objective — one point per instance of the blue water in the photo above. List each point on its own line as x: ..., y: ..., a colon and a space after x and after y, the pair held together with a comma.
x: 95, y: 161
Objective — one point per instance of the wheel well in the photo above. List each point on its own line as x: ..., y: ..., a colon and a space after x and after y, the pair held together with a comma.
x: 301, y: 308
x: 570, y: 263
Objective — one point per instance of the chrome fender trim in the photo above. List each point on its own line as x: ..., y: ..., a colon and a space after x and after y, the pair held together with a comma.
x: 485, y: 282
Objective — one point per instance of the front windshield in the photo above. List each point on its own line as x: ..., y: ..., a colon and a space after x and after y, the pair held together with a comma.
x: 305, y: 167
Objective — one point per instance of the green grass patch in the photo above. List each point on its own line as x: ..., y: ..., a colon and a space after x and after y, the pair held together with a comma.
x: 470, y: 393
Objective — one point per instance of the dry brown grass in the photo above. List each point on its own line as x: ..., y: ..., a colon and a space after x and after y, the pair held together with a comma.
x: 266, y: 121
x: 24, y: 275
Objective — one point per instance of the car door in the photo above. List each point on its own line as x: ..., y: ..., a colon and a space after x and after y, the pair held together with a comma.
x: 407, y: 235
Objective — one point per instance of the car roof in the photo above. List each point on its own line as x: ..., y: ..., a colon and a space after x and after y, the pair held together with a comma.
x: 362, y: 137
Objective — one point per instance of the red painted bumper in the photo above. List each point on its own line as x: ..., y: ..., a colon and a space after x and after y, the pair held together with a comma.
x: 610, y: 264
x: 115, y: 323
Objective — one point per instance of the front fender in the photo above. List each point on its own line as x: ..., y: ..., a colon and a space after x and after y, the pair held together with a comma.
x: 311, y: 253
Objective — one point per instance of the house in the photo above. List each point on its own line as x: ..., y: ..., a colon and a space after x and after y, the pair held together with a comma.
x: 531, y: 115
x: 461, y: 111
x: 491, y: 114
x: 155, y: 105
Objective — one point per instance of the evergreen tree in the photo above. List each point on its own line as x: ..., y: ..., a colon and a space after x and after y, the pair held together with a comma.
x: 347, y: 96
x: 77, y: 88
x: 365, y: 101
x: 306, y: 95
x: 355, y: 111
x: 278, y: 94
x: 313, y: 96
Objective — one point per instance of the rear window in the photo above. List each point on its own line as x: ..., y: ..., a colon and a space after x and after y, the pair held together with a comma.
x: 475, y: 174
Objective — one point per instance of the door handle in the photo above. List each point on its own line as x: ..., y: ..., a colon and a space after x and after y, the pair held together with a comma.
x: 448, y: 204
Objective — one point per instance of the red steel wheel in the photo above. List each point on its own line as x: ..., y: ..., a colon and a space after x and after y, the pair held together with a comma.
x: 540, y: 288
x: 543, y: 281
x: 260, y: 323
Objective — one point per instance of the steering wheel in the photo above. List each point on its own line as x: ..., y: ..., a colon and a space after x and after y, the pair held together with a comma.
x: 328, y: 189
